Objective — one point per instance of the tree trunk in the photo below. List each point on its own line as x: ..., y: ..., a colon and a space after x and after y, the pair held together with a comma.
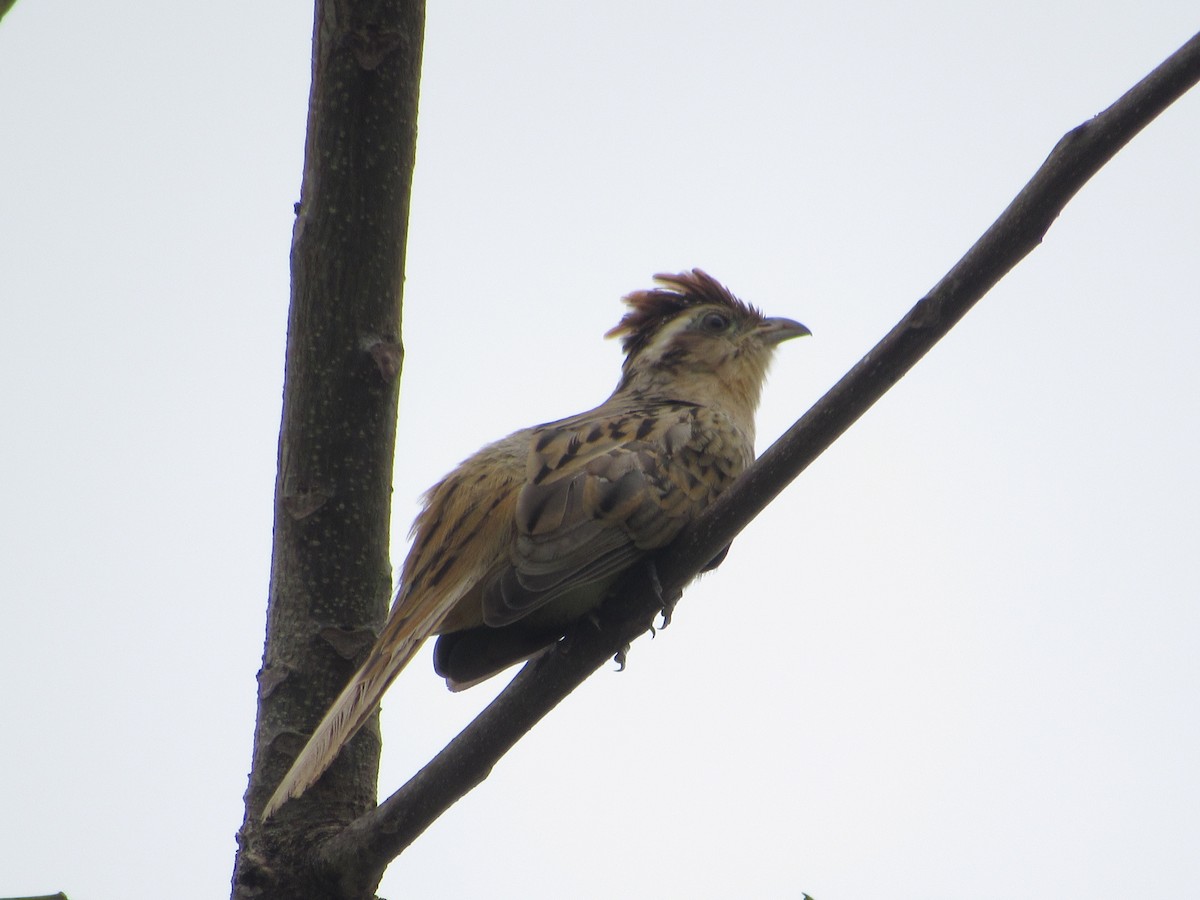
x: 330, y: 573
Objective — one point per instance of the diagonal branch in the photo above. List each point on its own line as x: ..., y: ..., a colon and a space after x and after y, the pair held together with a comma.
x: 369, y: 843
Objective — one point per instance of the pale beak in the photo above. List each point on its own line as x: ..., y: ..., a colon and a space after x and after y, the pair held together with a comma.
x: 776, y: 331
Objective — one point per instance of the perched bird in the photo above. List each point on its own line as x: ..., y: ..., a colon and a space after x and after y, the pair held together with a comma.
x: 530, y: 533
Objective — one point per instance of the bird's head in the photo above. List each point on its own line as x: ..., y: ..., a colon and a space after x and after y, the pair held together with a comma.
x: 694, y: 340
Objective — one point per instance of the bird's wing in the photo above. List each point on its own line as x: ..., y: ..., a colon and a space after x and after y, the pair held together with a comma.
x: 462, y: 533
x: 530, y: 518
x: 601, y: 491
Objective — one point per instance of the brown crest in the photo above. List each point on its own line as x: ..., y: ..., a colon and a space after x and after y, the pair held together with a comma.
x: 649, y: 310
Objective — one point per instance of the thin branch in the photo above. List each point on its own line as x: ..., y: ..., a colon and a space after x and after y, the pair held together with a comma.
x: 377, y: 837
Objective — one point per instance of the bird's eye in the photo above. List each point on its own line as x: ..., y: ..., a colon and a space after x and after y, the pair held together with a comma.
x: 714, y: 322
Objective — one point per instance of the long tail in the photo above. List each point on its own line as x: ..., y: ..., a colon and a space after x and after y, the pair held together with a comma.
x: 398, y: 643
x: 441, y: 568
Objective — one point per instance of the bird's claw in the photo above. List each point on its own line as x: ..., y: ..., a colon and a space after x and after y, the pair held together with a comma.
x: 666, y: 604
x: 621, y: 658
x: 668, y: 607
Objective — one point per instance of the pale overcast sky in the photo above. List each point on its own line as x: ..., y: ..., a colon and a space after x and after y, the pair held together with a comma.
x: 959, y: 658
